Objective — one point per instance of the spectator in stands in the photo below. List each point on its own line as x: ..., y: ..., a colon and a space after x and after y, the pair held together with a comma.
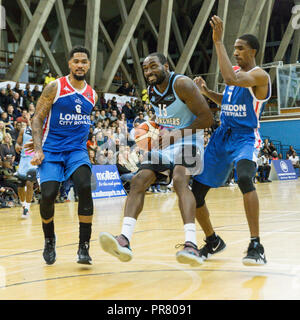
x: 7, y: 149
x: 132, y: 91
x: 128, y: 110
x: 3, y: 99
x: 291, y: 150
x: 23, y: 117
x: 295, y: 160
x: 17, y: 88
x: 100, y: 139
x: 101, y: 158
x: 264, y: 167
x: 114, y: 102
x: 124, y: 89
x: 272, y: 147
x: 111, y: 157
x: 266, y: 147
x: 31, y: 109
x: 92, y: 156
x: 114, y: 115
x: 119, y: 135
x: 27, y: 90
x: 7, y: 177
x: 280, y: 156
x: 30, y: 99
x: 14, y: 100
x: 15, y: 132
x: 2, y: 130
x: 92, y: 143
x: 274, y: 155
x: 12, y: 116
x: 102, y: 100
x: 149, y: 116
x: 102, y: 115
x: 131, y: 137
x: 145, y: 97
x: 48, y: 78
x: 98, y: 128
x: 36, y: 92
x: 22, y: 100
x: 140, y: 118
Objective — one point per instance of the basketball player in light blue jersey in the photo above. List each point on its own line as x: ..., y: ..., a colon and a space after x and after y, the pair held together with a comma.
x: 181, y: 110
x: 236, y: 143
x: 26, y: 171
x: 60, y: 130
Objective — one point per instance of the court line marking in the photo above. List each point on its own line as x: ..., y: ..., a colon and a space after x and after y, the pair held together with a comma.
x: 254, y: 272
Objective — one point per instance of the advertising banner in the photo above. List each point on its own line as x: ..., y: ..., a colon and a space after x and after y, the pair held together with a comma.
x: 106, y: 182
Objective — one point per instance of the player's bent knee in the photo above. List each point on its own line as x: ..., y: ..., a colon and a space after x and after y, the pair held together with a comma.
x: 245, y: 183
x: 139, y: 183
x: 199, y: 190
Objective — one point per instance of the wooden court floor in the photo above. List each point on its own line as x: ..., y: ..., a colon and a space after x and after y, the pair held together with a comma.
x: 153, y: 273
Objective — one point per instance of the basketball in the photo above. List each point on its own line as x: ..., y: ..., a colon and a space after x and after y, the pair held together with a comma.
x: 145, y: 134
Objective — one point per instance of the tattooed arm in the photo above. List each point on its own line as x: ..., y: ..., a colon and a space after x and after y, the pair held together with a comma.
x: 43, y: 107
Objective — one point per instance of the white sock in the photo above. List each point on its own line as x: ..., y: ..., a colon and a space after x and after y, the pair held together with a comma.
x: 23, y: 203
x: 128, y: 227
x: 190, y: 232
x: 27, y: 205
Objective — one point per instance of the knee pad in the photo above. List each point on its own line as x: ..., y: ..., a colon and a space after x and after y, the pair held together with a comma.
x: 49, y: 191
x: 199, y: 190
x: 246, y: 171
x: 85, y: 201
x: 245, y: 183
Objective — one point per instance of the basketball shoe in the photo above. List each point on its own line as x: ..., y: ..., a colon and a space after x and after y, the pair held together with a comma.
x: 255, y: 255
x: 118, y: 246
x: 189, y: 254
x: 83, y: 253
x: 49, y: 253
x: 25, y: 213
x: 212, y: 247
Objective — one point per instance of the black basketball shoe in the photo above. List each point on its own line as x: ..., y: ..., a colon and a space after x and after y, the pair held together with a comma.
x: 212, y: 247
x: 83, y: 253
x: 255, y: 255
x: 49, y: 253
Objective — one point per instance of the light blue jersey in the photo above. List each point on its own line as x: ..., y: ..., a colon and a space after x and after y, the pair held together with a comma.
x: 172, y: 114
x: 25, y: 166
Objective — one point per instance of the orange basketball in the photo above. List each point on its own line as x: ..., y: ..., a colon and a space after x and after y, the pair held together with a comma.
x: 145, y: 133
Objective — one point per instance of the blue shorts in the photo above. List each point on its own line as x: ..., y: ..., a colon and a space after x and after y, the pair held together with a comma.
x: 25, y: 166
x: 59, y: 166
x: 224, y: 150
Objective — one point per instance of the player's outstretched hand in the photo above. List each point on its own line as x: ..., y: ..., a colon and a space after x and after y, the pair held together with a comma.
x: 37, y: 158
x: 217, y: 25
x: 201, y: 84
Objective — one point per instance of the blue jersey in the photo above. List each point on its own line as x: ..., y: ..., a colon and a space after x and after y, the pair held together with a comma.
x: 240, y: 108
x: 67, y: 126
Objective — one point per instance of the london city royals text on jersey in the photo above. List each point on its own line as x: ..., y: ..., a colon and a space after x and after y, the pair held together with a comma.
x: 74, y: 119
x: 234, y: 110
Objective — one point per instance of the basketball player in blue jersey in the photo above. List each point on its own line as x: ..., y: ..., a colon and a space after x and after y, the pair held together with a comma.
x: 26, y: 171
x: 181, y: 110
x: 60, y: 130
x: 236, y: 143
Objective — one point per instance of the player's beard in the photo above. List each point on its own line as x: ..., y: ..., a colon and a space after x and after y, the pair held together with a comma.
x: 78, y: 78
x: 159, y: 78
